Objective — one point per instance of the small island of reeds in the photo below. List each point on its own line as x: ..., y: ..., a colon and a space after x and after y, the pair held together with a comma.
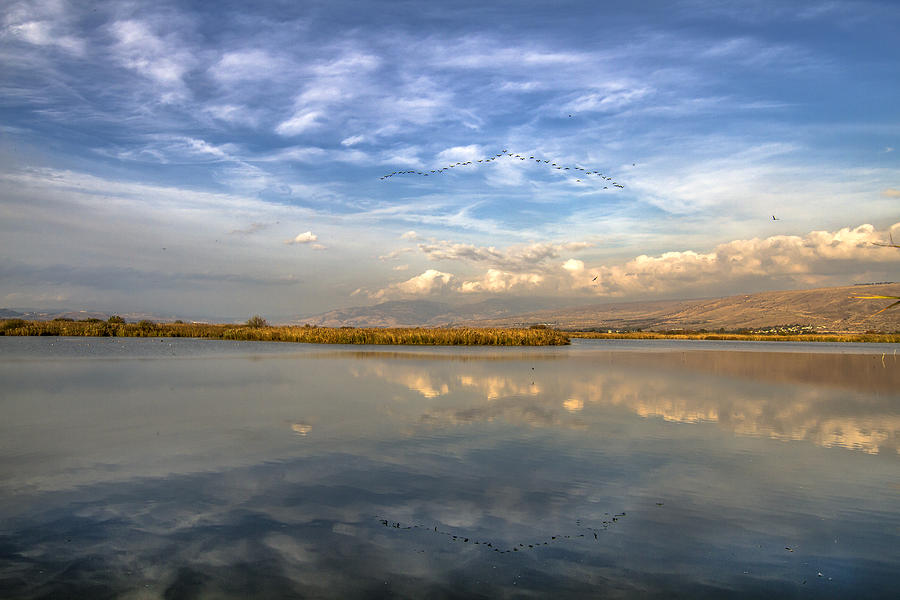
x: 451, y: 336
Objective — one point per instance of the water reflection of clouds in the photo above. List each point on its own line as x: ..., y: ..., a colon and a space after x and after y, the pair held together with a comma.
x: 230, y: 501
x: 830, y: 400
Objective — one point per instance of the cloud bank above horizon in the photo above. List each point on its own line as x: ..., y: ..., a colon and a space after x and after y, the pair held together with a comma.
x: 156, y: 157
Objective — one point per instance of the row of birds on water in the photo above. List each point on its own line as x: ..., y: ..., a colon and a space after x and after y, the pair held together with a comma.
x: 503, y: 548
x: 582, y: 172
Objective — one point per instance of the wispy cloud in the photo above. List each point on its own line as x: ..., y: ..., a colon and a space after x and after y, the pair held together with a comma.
x: 250, y: 229
x: 163, y: 59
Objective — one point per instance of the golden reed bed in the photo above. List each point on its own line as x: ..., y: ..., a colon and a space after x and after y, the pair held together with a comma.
x: 455, y: 336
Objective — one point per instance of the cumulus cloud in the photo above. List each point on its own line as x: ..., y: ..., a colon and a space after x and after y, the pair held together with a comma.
x: 891, y: 193
x: 303, y: 238
x: 573, y: 265
x: 496, y: 281
x: 410, y: 235
x: 429, y: 282
x: 401, y: 268
x: 514, y: 258
x: 814, y: 258
x: 817, y: 258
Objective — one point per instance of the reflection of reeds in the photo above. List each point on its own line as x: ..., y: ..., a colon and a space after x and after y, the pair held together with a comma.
x: 311, y: 335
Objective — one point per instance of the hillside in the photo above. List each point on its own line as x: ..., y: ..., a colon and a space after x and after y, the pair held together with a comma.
x: 824, y: 309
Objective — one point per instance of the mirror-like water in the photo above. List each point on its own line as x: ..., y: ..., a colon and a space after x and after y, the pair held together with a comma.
x: 183, y: 469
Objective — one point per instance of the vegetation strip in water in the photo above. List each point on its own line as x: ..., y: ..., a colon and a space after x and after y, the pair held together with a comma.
x: 455, y: 336
x: 871, y: 338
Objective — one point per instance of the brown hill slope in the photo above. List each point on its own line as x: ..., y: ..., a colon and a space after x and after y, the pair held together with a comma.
x: 824, y: 309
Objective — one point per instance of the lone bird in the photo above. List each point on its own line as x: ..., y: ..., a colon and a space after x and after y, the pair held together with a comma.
x: 889, y: 245
x: 897, y: 298
x: 774, y: 218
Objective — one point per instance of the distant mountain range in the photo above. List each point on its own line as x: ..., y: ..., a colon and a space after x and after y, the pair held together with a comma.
x: 426, y: 313
x: 823, y: 309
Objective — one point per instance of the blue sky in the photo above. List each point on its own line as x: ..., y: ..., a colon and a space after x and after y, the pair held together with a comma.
x: 224, y: 159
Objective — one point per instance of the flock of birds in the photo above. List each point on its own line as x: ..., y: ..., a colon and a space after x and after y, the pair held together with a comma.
x: 505, y: 154
x: 501, y: 548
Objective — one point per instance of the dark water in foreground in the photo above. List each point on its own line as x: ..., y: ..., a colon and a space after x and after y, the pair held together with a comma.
x: 137, y: 468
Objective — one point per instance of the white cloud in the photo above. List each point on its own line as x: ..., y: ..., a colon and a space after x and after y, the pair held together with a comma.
x: 429, y: 282
x: 816, y: 258
x: 303, y: 238
x: 44, y: 33
x: 615, y: 98
x: 459, y: 154
x: 573, y: 266
x: 496, y: 281
x: 409, y: 235
x: 514, y: 258
x: 233, y: 113
x: 353, y: 140
x: 163, y: 60
x: 891, y: 193
x: 247, y: 65
x: 493, y: 281
x: 401, y: 268
x: 394, y: 254
x: 299, y: 123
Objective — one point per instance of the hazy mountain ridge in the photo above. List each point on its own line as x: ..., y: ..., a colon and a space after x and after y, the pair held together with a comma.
x: 423, y: 313
x: 826, y: 309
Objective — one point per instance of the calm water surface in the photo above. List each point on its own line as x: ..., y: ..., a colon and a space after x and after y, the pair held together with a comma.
x: 135, y: 468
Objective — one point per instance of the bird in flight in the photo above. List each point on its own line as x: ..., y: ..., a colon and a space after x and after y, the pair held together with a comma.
x: 897, y: 298
x: 889, y: 245
x: 774, y: 218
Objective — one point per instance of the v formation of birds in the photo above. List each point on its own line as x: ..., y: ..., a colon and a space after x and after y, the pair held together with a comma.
x: 505, y: 154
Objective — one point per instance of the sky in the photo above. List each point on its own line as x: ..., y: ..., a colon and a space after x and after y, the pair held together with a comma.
x: 228, y: 159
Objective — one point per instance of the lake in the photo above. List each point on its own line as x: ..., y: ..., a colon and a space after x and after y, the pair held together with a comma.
x: 173, y: 468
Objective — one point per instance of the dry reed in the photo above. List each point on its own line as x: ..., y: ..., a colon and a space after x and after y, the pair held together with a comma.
x: 456, y: 336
